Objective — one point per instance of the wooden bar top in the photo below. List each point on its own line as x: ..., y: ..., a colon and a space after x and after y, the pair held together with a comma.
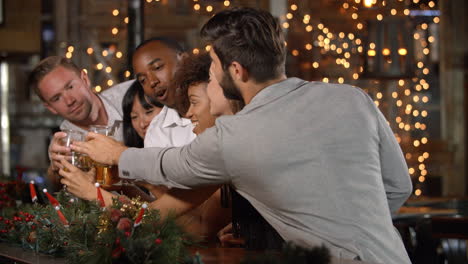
x: 209, y: 255
x: 222, y: 255
x: 19, y: 255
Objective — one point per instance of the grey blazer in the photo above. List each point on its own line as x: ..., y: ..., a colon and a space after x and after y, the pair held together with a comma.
x: 317, y: 160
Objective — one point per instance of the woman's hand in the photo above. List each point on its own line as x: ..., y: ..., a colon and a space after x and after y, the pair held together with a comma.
x: 100, y: 148
x: 78, y: 182
x: 227, y: 238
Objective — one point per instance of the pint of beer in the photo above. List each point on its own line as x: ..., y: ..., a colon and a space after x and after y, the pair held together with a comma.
x: 106, y: 175
x: 85, y: 162
x: 72, y: 136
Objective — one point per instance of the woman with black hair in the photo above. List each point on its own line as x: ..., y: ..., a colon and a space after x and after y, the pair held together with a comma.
x: 138, y: 111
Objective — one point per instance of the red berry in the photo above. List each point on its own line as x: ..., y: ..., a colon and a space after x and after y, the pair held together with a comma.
x: 157, y: 241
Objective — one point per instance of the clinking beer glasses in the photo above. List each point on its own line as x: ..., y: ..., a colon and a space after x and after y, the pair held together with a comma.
x: 106, y: 175
x: 75, y: 157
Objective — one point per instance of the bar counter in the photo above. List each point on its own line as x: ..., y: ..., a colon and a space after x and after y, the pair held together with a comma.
x: 209, y: 255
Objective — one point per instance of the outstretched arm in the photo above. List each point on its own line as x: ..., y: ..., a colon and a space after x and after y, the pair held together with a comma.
x: 199, y: 163
x: 397, y: 182
x: 180, y: 201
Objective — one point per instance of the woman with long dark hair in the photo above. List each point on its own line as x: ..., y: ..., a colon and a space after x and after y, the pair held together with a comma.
x: 138, y: 111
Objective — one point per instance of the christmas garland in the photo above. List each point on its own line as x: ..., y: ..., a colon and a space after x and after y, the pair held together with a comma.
x: 127, y: 232
x: 86, y: 232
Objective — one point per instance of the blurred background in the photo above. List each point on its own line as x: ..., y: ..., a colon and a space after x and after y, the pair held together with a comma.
x: 409, y: 55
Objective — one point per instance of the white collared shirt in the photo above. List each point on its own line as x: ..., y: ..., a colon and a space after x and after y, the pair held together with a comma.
x: 168, y: 129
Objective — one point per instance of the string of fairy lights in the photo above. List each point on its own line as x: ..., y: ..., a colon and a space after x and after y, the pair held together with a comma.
x: 409, y: 96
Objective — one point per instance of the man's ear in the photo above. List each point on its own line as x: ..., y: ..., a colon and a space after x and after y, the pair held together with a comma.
x: 238, y: 72
x: 85, y: 78
x: 52, y: 110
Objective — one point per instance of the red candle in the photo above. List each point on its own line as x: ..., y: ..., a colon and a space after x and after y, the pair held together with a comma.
x: 32, y: 191
x: 61, y: 216
x: 140, y: 215
x: 99, y: 196
x: 52, y: 200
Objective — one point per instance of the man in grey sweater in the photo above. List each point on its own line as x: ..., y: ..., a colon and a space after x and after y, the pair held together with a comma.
x: 318, y: 161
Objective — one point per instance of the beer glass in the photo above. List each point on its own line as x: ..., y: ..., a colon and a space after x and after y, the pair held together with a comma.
x: 77, y: 159
x: 72, y: 136
x: 106, y: 175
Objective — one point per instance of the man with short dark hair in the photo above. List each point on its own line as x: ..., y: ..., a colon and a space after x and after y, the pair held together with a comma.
x: 318, y: 161
x: 155, y: 63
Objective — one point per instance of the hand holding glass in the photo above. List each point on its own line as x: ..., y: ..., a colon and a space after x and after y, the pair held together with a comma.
x: 79, y: 160
x: 106, y: 175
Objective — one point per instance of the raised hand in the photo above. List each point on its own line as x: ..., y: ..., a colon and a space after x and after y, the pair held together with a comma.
x: 100, y: 148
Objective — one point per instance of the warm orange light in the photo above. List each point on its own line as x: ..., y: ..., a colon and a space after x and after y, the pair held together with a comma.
x: 402, y: 51
x: 368, y: 3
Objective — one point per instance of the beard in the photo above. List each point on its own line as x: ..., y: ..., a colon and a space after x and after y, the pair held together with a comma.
x: 230, y: 90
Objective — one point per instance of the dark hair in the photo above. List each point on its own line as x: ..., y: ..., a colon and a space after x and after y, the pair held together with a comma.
x: 171, y: 43
x: 251, y: 37
x: 44, y: 67
x: 131, y: 138
x: 192, y: 70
